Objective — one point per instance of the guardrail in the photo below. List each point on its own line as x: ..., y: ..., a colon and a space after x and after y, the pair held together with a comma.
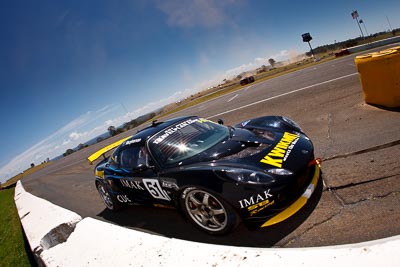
x: 59, y: 237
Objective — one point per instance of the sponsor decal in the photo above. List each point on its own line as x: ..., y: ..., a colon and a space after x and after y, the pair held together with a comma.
x: 100, y: 174
x: 131, y: 184
x: 170, y: 185
x: 245, y: 123
x: 305, y: 152
x: 254, y: 200
x: 155, y: 190
x: 204, y: 120
x: 134, y: 141
x: 281, y: 151
x: 172, y: 130
x: 151, y: 185
x: 260, y: 206
x: 123, y: 199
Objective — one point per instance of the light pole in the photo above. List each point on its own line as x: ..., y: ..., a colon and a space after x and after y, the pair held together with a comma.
x: 390, y: 26
x: 365, y: 28
x: 354, y: 15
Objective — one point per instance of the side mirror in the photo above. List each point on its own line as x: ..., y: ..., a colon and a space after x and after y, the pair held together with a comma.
x: 141, y: 167
x: 220, y: 121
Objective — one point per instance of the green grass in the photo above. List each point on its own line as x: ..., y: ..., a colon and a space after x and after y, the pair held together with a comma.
x: 12, y: 244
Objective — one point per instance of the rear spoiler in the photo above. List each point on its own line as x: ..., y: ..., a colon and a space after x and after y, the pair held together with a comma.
x: 104, y: 150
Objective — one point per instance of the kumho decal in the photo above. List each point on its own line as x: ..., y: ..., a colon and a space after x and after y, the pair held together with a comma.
x: 281, y: 151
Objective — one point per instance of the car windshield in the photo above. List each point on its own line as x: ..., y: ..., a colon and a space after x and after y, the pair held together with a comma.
x: 186, y: 139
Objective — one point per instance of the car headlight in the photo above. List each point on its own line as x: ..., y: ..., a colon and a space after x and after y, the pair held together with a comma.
x: 292, y: 123
x: 281, y: 172
x: 245, y: 176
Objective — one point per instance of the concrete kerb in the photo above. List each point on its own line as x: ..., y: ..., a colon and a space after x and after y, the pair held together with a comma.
x: 60, y: 237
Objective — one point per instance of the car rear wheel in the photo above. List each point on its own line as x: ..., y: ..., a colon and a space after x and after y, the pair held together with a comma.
x: 208, y: 211
x: 109, y: 200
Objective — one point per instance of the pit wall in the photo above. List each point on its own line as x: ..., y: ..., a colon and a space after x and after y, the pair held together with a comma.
x: 59, y: 237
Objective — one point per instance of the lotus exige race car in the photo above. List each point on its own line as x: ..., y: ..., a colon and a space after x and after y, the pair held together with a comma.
x: 260, y: 171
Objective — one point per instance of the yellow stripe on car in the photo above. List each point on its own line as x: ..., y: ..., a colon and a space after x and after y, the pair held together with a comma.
x: 99, y: 174
x: 99, y: 153
x: 299, y: 203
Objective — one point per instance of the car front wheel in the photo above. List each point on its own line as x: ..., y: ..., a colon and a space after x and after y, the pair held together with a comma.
x: 109, y: 200
x: 208, y: 211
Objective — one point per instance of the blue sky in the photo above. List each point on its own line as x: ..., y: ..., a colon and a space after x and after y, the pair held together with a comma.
x: 69, y: 69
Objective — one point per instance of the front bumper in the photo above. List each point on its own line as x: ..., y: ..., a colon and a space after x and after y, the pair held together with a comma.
x: 299, y: 203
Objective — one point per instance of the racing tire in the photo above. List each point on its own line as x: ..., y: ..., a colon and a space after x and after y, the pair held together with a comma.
x: 208, y: 211
x: 110, y: 201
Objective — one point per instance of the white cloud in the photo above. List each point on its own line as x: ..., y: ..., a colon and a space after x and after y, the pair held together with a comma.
x: 76, y: 136
x: 64, y: 143
x: 242, y: 68
x: 79, y: 130
x: 186, y: 14
x: 283, y: 55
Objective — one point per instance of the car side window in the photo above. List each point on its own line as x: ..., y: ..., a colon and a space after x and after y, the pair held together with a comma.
x: 128, y: 157
x: 133, y: 157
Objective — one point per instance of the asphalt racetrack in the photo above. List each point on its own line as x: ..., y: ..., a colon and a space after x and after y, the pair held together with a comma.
x: 357, y: 199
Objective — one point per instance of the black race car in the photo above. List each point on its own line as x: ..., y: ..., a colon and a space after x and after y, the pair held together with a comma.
x: 247, y: 80
x: 260, y: 171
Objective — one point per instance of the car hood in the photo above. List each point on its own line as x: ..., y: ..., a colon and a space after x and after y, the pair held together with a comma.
x: 259, y: 149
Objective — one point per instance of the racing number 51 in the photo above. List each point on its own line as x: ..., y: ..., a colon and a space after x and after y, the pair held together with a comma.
x: 155, y: 190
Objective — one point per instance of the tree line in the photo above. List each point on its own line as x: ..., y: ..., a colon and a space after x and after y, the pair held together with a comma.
x: 112, y: 130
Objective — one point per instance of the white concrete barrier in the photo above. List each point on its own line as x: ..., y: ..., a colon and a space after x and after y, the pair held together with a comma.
x: 97, y: 243
x: 375, y: 44
x: 44, y: 223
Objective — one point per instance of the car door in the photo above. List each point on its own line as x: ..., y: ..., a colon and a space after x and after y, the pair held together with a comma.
x: 139, y: 178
